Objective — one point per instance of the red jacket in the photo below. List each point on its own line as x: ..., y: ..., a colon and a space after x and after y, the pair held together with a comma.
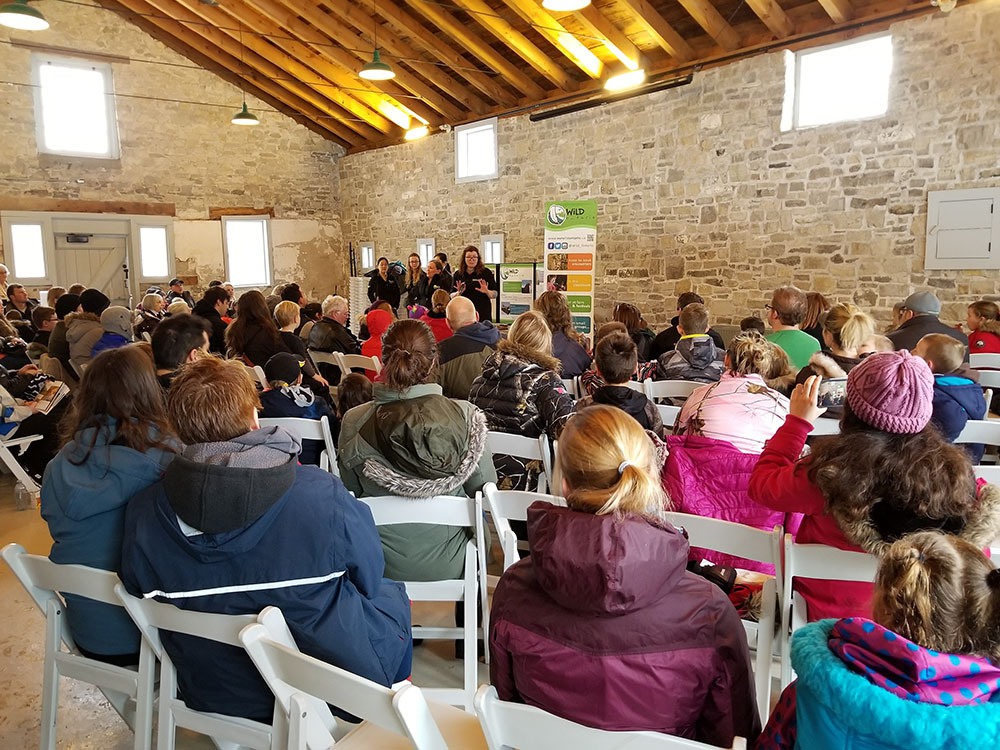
x: 603, y: 625
x: 438, y: 325
x: 986, y: 340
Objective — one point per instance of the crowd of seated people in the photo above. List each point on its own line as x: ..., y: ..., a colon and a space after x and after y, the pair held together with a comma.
x: 160, y: 455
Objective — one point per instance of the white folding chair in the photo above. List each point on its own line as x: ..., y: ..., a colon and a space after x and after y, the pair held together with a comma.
x: 350, y: 362
x: 445, y: 510
x: 393, y: 717
x: 821, y: 562
x: 572, y: 386
x: 635, y: 385
x: 10, y: 461
x: 989, y: 472
x: 668, y: 415
x: 512, y: 505
x: 752, y: 544
x: 130, y: 692
x: 986, y: 431
x: 257, y: 373
x: 516, y: 725
x: 656, y: 390
x: 825, y: 426
x: 147, y: 337
x: 226, y: 731
x: 989, y: 361
x: 78, y: 368
x: 536, y: 449
x: 310, y: 429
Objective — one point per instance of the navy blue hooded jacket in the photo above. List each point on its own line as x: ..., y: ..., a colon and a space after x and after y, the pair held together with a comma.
x: 956, y: 401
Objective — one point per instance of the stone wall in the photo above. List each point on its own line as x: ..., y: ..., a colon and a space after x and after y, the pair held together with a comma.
x: 697, y: 187
x: 185, y: 154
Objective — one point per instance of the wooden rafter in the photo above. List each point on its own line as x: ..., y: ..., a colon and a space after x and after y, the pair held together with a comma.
x: 662, y: 32
x: 464, y: 35
x: 546, y: 25
x: 773, y: 16
x: 146, y: 16
x: 519, y: 43
x: 841, y: 11
x: 705, y: 14
x: 614, y: 39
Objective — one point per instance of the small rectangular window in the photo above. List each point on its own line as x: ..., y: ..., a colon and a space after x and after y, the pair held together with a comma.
x: 248, y: 251
x: 367, y: 255
x: 28, y: 251
x: 839, y: 83
x: 426, y: 251
x: 153, y: 253
x: 476, y: 151
x: 492, y: 245
x: 74, y: 107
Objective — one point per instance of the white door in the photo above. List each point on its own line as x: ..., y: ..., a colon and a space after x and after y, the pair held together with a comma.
x: 99, y: 263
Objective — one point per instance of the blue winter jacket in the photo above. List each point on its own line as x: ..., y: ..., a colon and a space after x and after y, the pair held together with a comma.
x: 84, y: 506
x: 956, y: 401
x: 837, y: 709
x: 297, y: 541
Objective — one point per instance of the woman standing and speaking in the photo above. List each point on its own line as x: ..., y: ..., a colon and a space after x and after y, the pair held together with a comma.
x: 477, y: 282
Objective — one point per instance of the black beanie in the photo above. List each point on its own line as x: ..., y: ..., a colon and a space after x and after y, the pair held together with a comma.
x: 66, y: 304
x: 94, y: 301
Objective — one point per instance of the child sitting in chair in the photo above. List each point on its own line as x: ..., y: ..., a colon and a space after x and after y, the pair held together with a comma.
x: 287, y: 397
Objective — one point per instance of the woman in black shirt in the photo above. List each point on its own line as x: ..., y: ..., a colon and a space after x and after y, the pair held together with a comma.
x: 477, y: 282
x: 383, y: 287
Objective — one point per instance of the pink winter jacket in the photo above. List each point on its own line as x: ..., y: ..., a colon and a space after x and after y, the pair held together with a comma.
x: 740, y: 409
x: 711, y: 478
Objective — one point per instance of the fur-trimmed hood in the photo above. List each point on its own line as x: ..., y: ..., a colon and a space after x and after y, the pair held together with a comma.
x: 990, y: 326
x: 523, y: 356
x: 783, y: 384
x: 982, y: 527
x: 823, y: 364
x: 82, y: 316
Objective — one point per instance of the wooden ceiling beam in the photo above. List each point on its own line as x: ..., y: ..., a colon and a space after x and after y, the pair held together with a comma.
x: 430, y: 41
x: 519, y: 43
x: 663, y: 33
x: 545, y: 24
x: 226, y: 20
x: 336, y: 55
x: 614, y: 39
x: 706, y: 16
x: 468, y: 39
x: 841, y: 11
x: 158, y: 26
x: 773, y: 16
x: 389, y: 41
x: 357, y: 47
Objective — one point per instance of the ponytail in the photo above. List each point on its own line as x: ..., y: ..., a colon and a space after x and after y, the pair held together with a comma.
x: 409, y: 354
x: 849, y: 325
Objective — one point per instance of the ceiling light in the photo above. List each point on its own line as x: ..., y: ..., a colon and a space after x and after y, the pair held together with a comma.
x: 20, y: 15
x: 377, y: 70
x: 245, y: 117
x: 945, y: 6
x: 623, y: 81
x: 419, y: 132
x: 564, y: 6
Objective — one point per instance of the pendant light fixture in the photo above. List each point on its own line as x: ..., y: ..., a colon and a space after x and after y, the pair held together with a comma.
x: 20, y: 15
x: 244, y: 116
x: 565, y: 6
x: 376, y: 70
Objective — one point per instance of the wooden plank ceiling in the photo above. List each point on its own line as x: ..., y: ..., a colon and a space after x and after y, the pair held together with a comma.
x: 458, y: 61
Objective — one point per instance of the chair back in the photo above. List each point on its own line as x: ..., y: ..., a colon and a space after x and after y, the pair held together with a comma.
x: 991, y: 473
x: 512, y: 505
x: 536, y: 449
x: 661, y: 389
x: 516, y: 725
x: 572, y: 386
x: 668, y: 415
x: 985, y: 431
x: 635, y: 385
x: 313, y: 683
x: 310, y: 429
x: 350, y: 362
x: 257, y: 373
x: 52, y: 367
x: 986, y: 361
x: 825, y: 426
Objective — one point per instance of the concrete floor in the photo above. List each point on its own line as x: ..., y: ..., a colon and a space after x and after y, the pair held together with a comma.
x: 86, y: 720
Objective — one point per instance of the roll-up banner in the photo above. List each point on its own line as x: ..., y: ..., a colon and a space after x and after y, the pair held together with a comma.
x: 570, y: 255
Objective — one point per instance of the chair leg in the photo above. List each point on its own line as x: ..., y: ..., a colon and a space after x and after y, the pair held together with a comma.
x: 470, y: 641
x: 50, y: 683
x: 167, y: 730
x: 144, y: 700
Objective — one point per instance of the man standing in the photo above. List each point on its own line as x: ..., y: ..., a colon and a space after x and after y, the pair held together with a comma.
x: 177, y: 293
x: 785, y: 314
x: 460, y: 357
x: 920, y: 317
x: 236, y: 525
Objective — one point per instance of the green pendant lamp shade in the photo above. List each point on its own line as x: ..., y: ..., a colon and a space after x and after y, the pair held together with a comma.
x: 20, y: 15
x: 245, y: 117
x: 377, y: 70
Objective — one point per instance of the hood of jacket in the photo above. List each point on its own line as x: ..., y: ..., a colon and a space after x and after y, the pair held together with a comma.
x: 965, y: 393
x: 981, y: 528
x: 990, y: 326
x: 79, y: 323
x: 603, y: 565
x: 85, y: 485
x: 221, y: 487
x: 482, y: 331
x: 628, y: 400
x: 510, y: 359
x: 831, y: 365
x: 699, y: 351
x: 425, y: 442
x: 378, y: 323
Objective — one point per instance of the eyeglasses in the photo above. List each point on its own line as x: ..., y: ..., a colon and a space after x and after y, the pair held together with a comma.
x: 768, y: 307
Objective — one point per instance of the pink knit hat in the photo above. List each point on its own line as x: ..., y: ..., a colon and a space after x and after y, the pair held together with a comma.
x: 892, y: 391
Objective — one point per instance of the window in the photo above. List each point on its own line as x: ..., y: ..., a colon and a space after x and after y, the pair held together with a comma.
x: 476, y: 151
x: 492, y: 245
x: 367, y: 255
x: 154, y: 254
x: 426, y: 251
x: 248, y: 251
x: 839, y: 83
x: 74, y: 107
x: 28, y: 251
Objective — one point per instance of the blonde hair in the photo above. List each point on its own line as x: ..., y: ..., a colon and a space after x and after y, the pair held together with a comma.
x: 609, y: 465
x: 751, y: 354
x: 178, y: 307
x: 945, y: 352
x: 286, y: 312
x: 849, y: 326
x: 531, y: 331
x: 939, y: 591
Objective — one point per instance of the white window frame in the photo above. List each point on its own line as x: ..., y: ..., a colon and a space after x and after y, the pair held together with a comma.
x: 790, y: 111
x: 42, y: 221
x: 367, y: 256
x: 167, y: 224
x: 268, y: 250
x: 40, y: 59
x: 426, y: 249
x: 491, y: 259
x: 462, y: 133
